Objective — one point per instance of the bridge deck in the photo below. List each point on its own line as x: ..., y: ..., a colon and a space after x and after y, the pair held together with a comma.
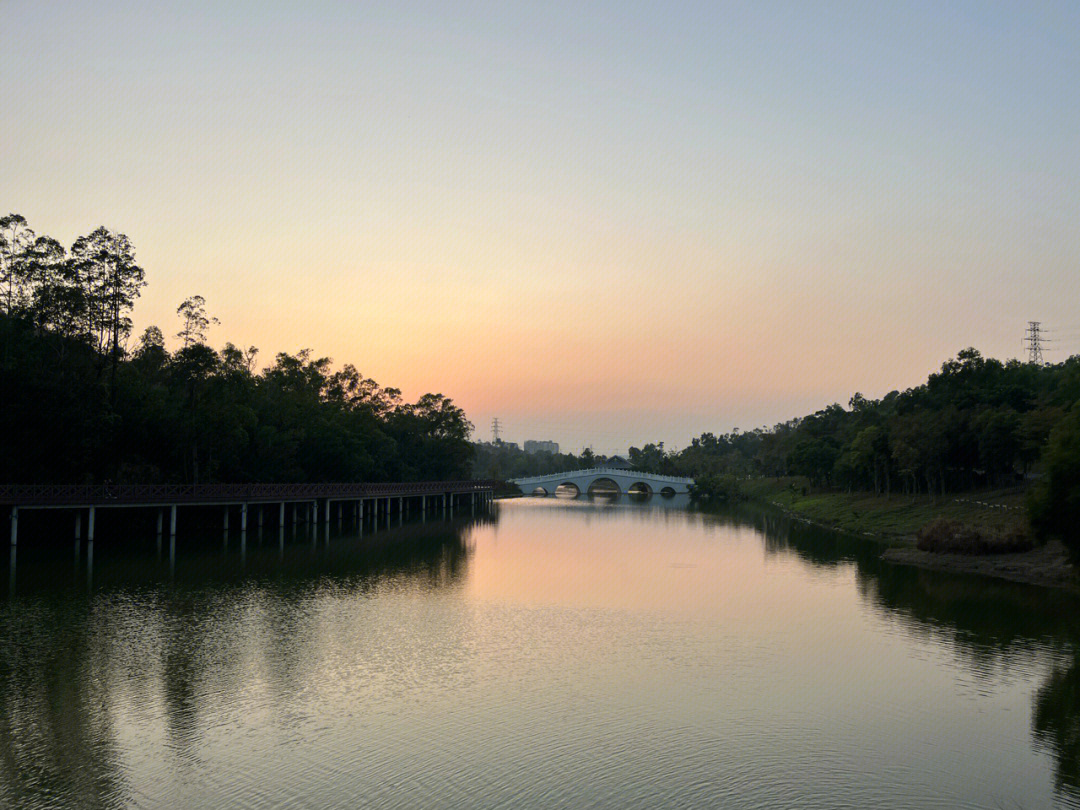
x: 73, y: 495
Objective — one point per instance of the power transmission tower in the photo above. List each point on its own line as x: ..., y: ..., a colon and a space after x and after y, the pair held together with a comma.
x: 495, y: 429
x: 1034, y: 340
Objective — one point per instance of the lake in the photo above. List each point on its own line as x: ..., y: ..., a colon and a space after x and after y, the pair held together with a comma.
x: 554, y: 653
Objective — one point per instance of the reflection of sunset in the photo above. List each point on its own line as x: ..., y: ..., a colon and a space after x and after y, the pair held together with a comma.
x: 670, y: 657
x: 632, y: 562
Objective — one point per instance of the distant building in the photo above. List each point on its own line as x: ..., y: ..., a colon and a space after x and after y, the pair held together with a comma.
x: 541, y: 447
x: 618, y: 463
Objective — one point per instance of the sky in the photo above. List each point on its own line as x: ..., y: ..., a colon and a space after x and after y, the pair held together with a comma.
x: 603, y: 223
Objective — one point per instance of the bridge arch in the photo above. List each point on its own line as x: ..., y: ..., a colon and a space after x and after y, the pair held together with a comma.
x: 639, y: 488
x: 543, y: 493
x: 615, y: 480
x: 604, y: 485
x: 667, y: 492
x: 568, y: 488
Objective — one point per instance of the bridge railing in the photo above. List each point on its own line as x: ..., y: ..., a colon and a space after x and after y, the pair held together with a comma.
x: 103, y: 494
x: 606, y: 471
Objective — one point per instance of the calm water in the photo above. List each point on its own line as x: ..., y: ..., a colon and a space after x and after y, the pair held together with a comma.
x: 556, y: 654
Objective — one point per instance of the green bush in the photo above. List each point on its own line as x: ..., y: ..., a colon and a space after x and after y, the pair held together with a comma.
x: 944, y: 536
x: 716, y: 488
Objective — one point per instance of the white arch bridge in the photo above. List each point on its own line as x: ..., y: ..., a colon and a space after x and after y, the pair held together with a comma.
x: 620, y: 480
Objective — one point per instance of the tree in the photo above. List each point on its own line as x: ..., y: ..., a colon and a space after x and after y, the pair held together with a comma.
x: 56, y: 301
x: 1055, y: 504
x: 195, y: 321
x: 16, y: 241
x: 112, y: 280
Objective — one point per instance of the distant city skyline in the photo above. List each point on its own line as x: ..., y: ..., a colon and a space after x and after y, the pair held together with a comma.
x: 604, y: 227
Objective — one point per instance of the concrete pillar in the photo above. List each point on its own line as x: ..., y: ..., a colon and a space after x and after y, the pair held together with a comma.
x: 172, y: 521
x: 78, y: 524
x: 14, y: 525
x: 339, y: 514
x: 225, y: 520
x: 160, y: 523
x: 90, y: 526
x: 243, y: 518
x: 281, y: 515
x: 260, y: 509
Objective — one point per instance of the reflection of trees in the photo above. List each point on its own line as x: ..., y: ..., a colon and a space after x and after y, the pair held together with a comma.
x: 984, y: 616
x: 67, y: 662
x: 990, y: 623
x: 56, y: 737
x: 1057, y: 725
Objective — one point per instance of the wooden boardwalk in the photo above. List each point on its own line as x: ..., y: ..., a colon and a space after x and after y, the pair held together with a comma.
x: 313, y: 503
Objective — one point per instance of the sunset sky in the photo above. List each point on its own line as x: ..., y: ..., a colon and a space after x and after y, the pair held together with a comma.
x: 605, y: 223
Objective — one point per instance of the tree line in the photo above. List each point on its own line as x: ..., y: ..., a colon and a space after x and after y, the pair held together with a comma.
x: 503, y: 461
x: 978, y: 423
x: 81, y: 401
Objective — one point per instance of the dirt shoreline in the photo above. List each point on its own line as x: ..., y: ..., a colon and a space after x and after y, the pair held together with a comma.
x: 1047, y: 566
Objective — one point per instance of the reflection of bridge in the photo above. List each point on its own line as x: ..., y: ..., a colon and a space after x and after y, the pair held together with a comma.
x: 608, y: 479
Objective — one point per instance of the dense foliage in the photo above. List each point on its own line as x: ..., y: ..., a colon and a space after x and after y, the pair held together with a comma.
x: 78, y: 404
x: 503, y: 460
x: 977, y: 423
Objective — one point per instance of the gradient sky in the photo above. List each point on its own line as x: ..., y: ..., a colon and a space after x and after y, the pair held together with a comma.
x: 605, y: 225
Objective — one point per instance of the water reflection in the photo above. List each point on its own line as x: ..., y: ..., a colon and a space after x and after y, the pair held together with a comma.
x: 610, y: 650
x: 994, y: 626
x: 1057, y: 724
x: 85, y: 670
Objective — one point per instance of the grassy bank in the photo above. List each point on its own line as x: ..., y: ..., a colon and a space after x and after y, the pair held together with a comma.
x: 895, y: 519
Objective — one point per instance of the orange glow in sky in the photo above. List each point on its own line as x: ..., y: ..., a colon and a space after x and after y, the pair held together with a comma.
x: 604, y: 227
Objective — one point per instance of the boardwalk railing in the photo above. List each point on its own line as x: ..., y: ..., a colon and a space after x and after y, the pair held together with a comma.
x: 60, y: 495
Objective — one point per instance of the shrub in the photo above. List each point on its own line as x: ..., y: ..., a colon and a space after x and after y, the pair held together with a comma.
x: 715, y: 488
x: 944, y: 536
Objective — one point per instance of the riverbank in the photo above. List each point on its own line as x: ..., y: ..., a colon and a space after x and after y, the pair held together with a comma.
x: 894, y: 522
